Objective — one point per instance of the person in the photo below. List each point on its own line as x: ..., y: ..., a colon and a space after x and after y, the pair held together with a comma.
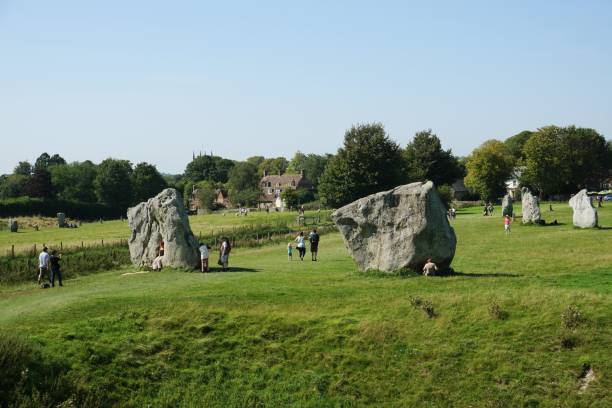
x: 43, y: 264
x: 314, y: 243
x: 507, y: 222
x: 224, y: 252
x: 301, y: 246
x: 54, y: 262
x: 157, y: 262
x: 290, y: 251
x: 453, y: 213
x: 430, y: 268
x: 203, y: 257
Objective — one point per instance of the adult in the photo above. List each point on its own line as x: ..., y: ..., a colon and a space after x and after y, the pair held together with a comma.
x: 43, y: 264
x: 54, y: 262
x: 203, y: 257
x: 224, y: 252
x: 157, y: 262
x: 314, y: 243
x: 430, y: 268
x: 301, y: 245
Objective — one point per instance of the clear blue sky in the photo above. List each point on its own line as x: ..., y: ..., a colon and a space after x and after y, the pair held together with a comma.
x: 154, y: 80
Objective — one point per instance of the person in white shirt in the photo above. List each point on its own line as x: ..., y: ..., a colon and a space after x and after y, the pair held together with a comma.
x: 204, y: 257
x: 43, y: 264
x: 430, y: 268
x: 301, y: 246
x: 224, y: 252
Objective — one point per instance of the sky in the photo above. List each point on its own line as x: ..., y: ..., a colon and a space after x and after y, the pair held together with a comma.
x: 155, y: 81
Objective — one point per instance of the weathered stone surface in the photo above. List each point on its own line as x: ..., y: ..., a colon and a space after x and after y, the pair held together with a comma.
x: 585, y: 215
x: 61, y: 220
x: 507, y: 206
x: 398, y: 228
x: 531, y: 207
x: 13, y: 226
x: 162, y: 218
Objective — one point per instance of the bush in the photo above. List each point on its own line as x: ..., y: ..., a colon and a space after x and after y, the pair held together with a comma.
x: 572, y: 318
x: 28, y: 206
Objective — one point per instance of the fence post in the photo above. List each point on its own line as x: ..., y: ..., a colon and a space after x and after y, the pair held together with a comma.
x: 82, y: 245
x: 102, y: 242
x: 13, y: 251
x: 35, y: 249
x: 61, y: 246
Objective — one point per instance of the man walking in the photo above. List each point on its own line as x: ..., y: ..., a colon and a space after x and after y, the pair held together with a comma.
x: 314, y: 243
x: 43, y: 264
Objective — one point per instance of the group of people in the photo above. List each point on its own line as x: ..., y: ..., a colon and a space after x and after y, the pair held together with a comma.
x: 224, y: 251
x: 49, y: 267
x: 488, y: 210
x: 300, y: 245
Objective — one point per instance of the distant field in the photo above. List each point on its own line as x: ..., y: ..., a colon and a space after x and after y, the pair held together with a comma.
x: 113, y: 231
x: 279, y: 333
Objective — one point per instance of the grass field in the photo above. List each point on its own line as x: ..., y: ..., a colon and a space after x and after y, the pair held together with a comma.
x: 278, y: 333
x: 113, y: 231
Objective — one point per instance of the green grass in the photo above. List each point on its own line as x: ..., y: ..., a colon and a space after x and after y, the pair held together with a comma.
x: 279, y: 333
x: 114, y: 231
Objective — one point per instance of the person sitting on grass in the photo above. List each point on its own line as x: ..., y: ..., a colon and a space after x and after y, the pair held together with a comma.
x: 290, y: 251
x: 54, y: 262
x: 157, y: 262
x: 430, y: 268
x: 203, y: 257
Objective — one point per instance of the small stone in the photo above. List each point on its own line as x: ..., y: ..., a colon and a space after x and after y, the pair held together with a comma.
x: 585, y: 215
x: 61, y: 220
x: 507, y: 206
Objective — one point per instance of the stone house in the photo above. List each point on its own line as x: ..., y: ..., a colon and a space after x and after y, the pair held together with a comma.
x: 272, y: 186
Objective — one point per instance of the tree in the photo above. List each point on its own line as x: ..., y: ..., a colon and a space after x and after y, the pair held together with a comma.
x: 146, y: 182
x: 210, y: 168
x: 246, y: 197
x: 75, y: 181
x: 206, y: 195
x: 488, y: 168
x: 12, y: 186
x: 24, y: 168
x: 425, y: 160
x: 44, y: 161
x: 255, y: 160
x: 290, y: 197
x: 39, y: 184
x: 277, y: 165
x: 367, y: 163
x: 113, y: 183
x: 587, y: 158
x: 314, y: 165
x: 243, y: 176
x: 297, y: 163
x: 517, y: 142
x: 545, y: 165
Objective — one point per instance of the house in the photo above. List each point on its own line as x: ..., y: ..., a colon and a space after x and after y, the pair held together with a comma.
x: 273, y: 185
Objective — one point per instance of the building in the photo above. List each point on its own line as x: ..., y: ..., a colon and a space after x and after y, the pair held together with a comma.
x: 221, y: 200
x: 273, y: 185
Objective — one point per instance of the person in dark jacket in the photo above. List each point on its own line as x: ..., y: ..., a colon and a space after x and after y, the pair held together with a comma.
x: 54, y: 261
x: 314, y: 243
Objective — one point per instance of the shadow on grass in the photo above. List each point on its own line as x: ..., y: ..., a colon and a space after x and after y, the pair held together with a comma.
x: 231, y: 269
x: 482, y: 275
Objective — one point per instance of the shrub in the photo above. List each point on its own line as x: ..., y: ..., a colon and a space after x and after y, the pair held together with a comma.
x: 496, y: 312
x: 572, y: 318
x: 27, y: 206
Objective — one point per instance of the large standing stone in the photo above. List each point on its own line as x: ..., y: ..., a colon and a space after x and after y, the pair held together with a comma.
x: 531, y: 207
x: 162, y: 218
x: 13, y: 226
x: 61, y: 220
x: 398, y: 228
x: 585, y: 215
x: 507, y: 206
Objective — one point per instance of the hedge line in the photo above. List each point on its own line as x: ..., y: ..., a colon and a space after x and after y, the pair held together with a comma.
x: 28, y: 206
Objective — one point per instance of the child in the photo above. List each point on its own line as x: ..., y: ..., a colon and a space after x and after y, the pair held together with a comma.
x: 203, y: 257
x: 507, y: 222
x: 290, y: 251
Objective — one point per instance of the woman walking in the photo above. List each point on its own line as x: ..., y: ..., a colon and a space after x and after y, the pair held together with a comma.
x: 301, y: 246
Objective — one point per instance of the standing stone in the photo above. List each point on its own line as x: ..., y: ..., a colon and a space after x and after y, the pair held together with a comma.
x: 61, y: 220
x: 13, y: 226
x: 531, y: 207
x: 507, y: 206
x: 162, y: 218
x: 585, y: 215
x: 399, y: 228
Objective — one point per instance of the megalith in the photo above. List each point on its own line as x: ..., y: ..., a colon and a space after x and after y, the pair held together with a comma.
x: 61, y: 220
x: 13, y: 225
x: 399, y: 228
x: 507, y: 206
x: 585, y: 215
x: 531, y: 207
x: 162, y: 218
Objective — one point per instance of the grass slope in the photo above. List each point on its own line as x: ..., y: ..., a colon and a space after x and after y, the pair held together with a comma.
x: 278, y: 333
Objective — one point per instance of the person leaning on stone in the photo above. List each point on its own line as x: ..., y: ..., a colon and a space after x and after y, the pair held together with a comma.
x: 430, y: 268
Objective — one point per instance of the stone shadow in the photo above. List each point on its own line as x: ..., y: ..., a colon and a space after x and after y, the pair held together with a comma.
x: 218, y: 269
x: 482, y: 275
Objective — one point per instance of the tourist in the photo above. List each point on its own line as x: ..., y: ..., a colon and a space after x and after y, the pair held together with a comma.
x: 54, y: 262
x: 453, y: 213
x: 224, y: 252
x: 314, y: 243
x: 430, y: 268
x: 157, y: 262
x: 43, y: 264
x: 290, y: 251
x: 301, y: 246
x: 507, y: 222
x: 203, y: 257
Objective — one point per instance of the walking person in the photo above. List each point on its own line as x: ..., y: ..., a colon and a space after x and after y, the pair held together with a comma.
x: 314, y: 243
x: 224, y: 252
x: 203, y: 257
x: 507, y: 222
x: 43, y: 264
x: 301, y: 245
x: 54, y: 262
